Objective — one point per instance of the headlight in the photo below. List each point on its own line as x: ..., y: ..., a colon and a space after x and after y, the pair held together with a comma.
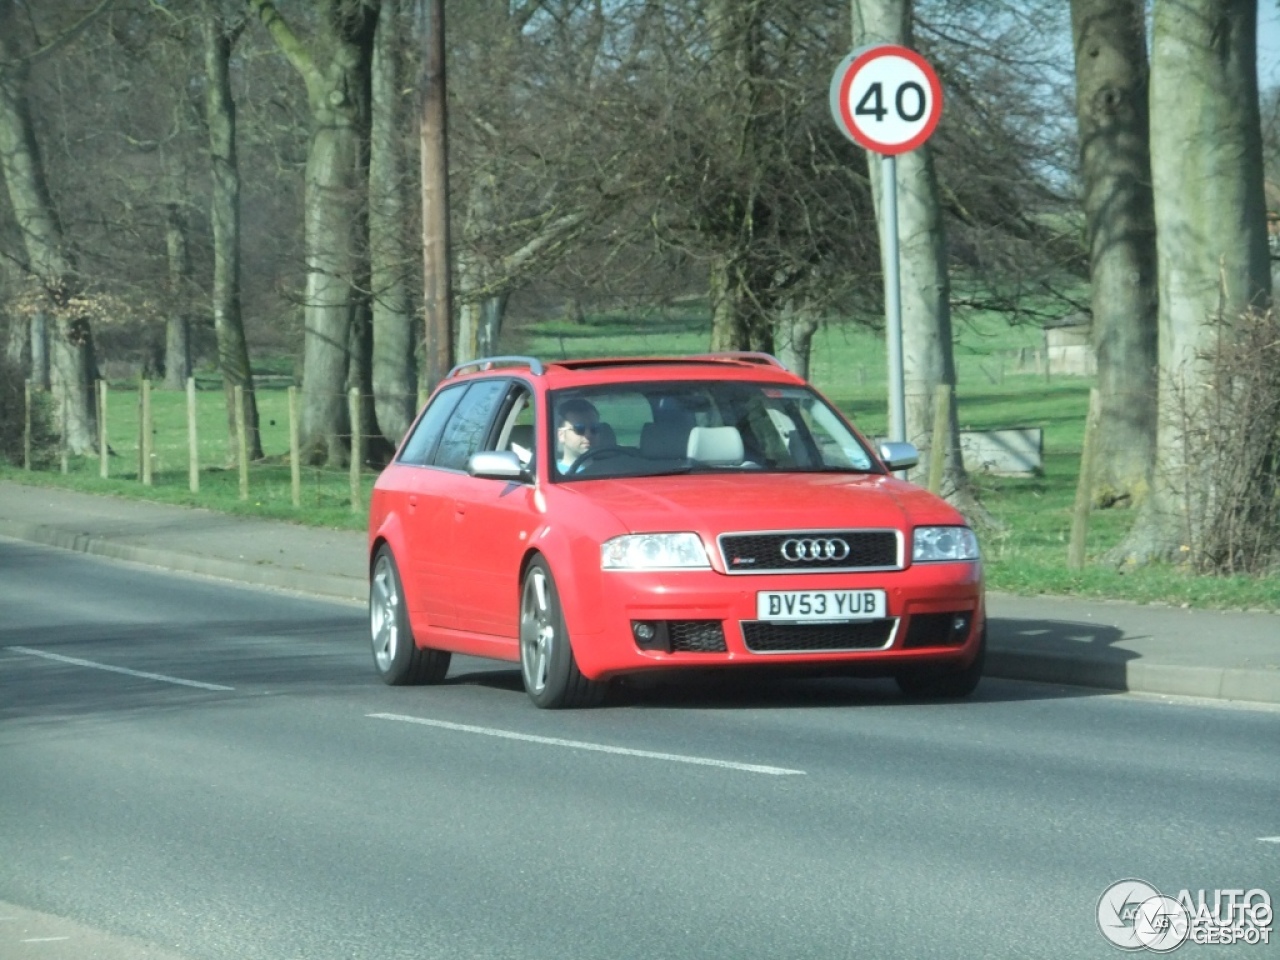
x: 654, y: 551
x: 931, y: 544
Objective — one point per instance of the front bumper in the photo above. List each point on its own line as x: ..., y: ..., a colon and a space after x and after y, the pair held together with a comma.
x: 935, y: 615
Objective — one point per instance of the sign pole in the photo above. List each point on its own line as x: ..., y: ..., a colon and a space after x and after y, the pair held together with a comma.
x: 887, y: 99
x: 893, y: 300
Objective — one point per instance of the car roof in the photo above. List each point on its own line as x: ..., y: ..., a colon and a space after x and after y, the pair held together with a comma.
x: 558, y: 374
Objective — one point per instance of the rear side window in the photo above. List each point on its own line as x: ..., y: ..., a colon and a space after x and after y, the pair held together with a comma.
x: 465, y: 432
x: 422, y: 443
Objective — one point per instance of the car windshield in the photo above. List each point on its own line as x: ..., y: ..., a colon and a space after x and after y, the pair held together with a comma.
x: 711, y: 426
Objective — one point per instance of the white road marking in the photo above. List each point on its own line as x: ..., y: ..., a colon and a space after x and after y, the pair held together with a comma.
x: 43, y: 939
x: 1269, y: 839
x: 76, y: 661
x: 596, y: 747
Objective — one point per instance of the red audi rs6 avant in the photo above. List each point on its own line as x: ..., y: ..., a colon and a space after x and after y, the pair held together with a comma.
x: 594, y: 519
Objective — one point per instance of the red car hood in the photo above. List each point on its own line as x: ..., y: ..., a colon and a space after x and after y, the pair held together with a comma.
x: 744, y: 501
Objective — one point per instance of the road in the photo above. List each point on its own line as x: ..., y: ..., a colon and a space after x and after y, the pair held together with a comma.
x: 216, y: 771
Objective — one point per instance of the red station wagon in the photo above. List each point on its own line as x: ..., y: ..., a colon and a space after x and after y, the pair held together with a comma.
x: 594, y: 519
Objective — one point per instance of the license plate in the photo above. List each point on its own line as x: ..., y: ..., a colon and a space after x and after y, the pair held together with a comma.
x: 793, y: 606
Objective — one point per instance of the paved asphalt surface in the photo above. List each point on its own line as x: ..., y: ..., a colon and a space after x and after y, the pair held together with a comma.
x: 202, y: 770
x: 1231, y: 655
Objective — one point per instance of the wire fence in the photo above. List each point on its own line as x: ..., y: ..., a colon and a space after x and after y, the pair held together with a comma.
x: 167, y: 438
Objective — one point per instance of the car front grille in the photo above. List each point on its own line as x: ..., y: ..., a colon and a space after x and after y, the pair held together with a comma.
x: 696, y: 636
x: 679, y: 636
x: 764, y: 637
x: 808, y: 550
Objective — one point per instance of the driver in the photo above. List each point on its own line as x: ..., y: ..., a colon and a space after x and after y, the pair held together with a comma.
x: 578, y: 422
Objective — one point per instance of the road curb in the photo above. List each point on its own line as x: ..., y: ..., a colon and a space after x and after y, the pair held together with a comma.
x: 1136, y: 676
x: 267, y: 575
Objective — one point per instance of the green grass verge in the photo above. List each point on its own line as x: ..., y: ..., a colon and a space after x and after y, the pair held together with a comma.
x: 1028, y: 555
x: 325, y: 494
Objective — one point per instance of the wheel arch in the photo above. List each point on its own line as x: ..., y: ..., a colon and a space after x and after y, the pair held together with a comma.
x: 391, y: 535
x: 565, y: 555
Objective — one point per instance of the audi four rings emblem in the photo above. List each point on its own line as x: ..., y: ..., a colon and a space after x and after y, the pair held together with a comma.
x: 823, y: 548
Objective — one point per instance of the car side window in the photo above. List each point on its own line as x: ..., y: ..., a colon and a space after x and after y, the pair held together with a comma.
x: 467, y: 429
x: 517, y: 433
x: 422, y: 443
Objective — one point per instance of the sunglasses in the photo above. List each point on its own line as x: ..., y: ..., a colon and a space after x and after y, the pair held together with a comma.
x: 583, y: 429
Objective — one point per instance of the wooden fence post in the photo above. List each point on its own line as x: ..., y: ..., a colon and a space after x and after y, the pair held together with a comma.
x: 26, y: 426
x: 193, y: 445
x: 65, y: 456
x: 146, y: 448
x: 138, y: 433
x: 104, y: 451
x: 295, y: 455
x: 242, y: 443
x: 357, y: 451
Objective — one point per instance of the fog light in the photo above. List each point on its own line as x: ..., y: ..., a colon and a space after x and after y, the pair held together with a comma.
x: 960, y: 627
x: 650, y: 634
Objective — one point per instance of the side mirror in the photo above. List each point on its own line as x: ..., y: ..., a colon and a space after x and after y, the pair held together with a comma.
x: 899, y: 456
x: 497, y: 465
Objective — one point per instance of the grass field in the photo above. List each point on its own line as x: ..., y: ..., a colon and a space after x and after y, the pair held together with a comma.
x: 1027, y: 554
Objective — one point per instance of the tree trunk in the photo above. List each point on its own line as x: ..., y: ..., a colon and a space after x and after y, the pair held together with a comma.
x: 439, y: 350
x: 394, y: 371
x: 71, y: 344
x: 330, y: 303
x: 492, y: 311
x: 731, y: 327
x: 377, y: 448
x: 927, y: 358
x: 475, y: 274
x: 17, y: 347
x: 734, y: 30
x: 795, y: 330
x: 1211, y: 239
x: 484, y: 286
x: 228, y: 325
x: 468, y: 340
x: 39, y: 333
x: 335, y: 227
x: 1115, y: 163
x: 177, y: 342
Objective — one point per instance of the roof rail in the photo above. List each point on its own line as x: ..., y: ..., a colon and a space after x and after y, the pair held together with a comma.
x: 744, y: 356
x: 488, y: 363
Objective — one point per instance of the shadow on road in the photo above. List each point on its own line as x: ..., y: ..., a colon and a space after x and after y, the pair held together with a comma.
x: 1054, y: 653
x: 1061, y: 651
x: 256, y: 653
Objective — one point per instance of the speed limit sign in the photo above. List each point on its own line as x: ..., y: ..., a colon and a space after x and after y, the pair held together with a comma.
x: 886, y: 98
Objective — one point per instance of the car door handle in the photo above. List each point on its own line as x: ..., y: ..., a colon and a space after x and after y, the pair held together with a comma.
x: 413, y: 503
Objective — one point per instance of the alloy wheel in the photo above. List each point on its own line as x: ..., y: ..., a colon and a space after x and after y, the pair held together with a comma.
x: 384, y: 608
x: 537, y: 631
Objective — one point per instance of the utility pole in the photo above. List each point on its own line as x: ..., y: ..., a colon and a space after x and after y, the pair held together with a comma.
x: 437, y: 300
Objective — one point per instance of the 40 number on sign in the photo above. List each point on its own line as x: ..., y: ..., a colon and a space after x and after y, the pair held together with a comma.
x: 909, y: 102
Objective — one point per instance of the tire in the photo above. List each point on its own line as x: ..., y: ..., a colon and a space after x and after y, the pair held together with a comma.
x: 547, y: 665
x: 945, y: 685
x: 397, y: 658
